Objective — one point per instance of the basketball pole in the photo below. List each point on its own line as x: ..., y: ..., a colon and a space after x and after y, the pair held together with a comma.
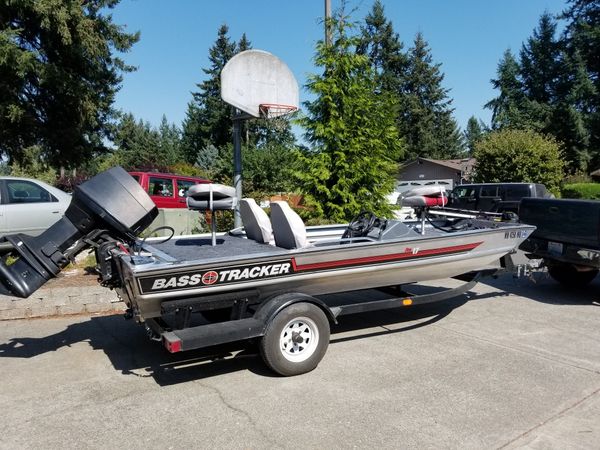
x: 327, y: 18
x: 237, y: 164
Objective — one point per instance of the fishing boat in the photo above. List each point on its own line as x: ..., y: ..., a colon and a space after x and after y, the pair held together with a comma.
x: 266, y: 281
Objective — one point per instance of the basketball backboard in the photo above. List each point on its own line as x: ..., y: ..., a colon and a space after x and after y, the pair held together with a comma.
x: 253, y: 78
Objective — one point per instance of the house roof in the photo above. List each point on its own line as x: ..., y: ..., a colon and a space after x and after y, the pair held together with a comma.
x: 461, y: 165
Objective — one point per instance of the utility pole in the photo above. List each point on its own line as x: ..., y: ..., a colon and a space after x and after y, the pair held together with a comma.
x: 327, y: 20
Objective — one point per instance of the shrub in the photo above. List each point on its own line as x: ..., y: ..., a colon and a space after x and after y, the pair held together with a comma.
x: 519, y: 156
x: 589, y: 191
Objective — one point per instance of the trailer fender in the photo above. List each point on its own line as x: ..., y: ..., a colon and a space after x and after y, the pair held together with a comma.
x: 271, y: 307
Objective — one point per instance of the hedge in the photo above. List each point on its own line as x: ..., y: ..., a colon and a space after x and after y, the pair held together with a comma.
x: 590, y: 191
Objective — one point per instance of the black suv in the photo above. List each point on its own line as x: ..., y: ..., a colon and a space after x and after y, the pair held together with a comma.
x: 495, y: 197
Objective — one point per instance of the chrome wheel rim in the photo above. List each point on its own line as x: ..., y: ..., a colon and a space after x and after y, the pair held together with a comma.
x: 299, y: 339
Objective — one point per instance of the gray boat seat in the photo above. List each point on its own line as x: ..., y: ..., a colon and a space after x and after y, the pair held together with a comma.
x: 211, y: 197
x: 256, y: 222
x: 288, y: 228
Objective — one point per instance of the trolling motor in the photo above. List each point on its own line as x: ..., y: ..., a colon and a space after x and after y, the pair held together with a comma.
x: 110, y: 206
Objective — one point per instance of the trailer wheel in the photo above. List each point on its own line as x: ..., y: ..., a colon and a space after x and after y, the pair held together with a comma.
x: 296, y: 339
x: 568, y: 275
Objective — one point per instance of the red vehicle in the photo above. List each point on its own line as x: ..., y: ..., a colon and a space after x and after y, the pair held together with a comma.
x: 165, y: 189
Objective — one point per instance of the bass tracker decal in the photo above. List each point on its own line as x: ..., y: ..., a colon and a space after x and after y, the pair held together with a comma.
x: 223, y: 275
x: 279, y: 269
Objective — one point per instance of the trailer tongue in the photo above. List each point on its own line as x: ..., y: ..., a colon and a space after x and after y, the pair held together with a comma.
x: 195, y: 292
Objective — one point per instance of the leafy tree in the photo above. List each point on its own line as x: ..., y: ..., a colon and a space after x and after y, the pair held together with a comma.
x: 208, y: 118
x: 425, y: 117
x: 519, y: 156
x: 356, y: 145
x: 59, y: 78
x: 32, y: 165
x: 474, y: 132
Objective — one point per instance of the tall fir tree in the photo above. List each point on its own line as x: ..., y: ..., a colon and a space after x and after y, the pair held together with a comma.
x: 169, y: 141
x: 208, y: 118
x: 582, y: 41
x: 540, y: 62
x: 474, y: 132
x: 351, y: 127
x: 509, y: 108
x: 384, y: 48
x: 425, y: 114
x: 553, y: 89
x: 137, y: 144
x: 59, y: 74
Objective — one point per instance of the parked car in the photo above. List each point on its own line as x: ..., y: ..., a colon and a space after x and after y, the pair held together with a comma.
x: 495, y: 197
x: 165, y: 189
x: 29, y: 206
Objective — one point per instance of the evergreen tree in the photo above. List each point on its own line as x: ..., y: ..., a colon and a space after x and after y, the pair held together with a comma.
x: 582, y: 32
x: 136, y: 142
x: 508, y: 109
x: 59, y: 76
x: 425, y: 118
x: 384, y: 48
x: 540, y: 62
x: 244, y: 44
x: 170, y: 142
x: 474, y: 132
x: 353, y: 162
x: 582, y: 40
x: 139, y: 145
x: 555, y: 88
x: 208, y: 118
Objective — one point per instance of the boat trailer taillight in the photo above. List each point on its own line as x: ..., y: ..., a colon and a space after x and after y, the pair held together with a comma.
x: 173, y: 344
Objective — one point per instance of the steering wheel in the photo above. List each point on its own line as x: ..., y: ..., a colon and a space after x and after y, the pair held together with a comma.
x: 361, y: 225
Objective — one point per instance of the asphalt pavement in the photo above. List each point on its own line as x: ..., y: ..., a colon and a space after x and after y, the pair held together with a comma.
x: 516, y: 365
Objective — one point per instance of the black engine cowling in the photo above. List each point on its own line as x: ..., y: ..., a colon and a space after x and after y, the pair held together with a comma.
x: 111, y: 205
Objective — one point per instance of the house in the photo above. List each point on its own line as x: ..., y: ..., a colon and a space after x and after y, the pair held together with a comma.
x: 424, y: 171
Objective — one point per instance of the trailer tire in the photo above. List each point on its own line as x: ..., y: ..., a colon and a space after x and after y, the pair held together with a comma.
x: 296, y: 339
x: 568, y: 275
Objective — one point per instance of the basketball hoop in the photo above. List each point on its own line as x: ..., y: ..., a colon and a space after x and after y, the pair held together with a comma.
x: 274, y: 110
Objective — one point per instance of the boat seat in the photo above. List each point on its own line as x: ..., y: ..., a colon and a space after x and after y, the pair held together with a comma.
x: 256, y: 222
x: 211, y: 197
x: 288, y: 228
x: 425, y: 197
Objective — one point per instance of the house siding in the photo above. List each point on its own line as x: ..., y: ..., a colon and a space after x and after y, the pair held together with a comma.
x: 426, y: 170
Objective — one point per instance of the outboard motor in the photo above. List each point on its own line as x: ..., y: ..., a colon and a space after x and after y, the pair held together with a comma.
x: 110, y: 206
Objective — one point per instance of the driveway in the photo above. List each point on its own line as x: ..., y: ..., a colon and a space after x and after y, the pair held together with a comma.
x: 517, y: 365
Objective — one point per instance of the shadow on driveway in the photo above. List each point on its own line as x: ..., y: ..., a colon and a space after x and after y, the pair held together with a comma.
x: 132, y: 353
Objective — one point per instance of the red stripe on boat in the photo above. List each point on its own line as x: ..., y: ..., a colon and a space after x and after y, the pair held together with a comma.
x: 384, y: 258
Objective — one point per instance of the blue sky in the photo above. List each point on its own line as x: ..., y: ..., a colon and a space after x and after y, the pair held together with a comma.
x: 467, y: 37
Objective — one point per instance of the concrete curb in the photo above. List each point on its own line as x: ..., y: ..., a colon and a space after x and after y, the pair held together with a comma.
x: 61, y: 301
